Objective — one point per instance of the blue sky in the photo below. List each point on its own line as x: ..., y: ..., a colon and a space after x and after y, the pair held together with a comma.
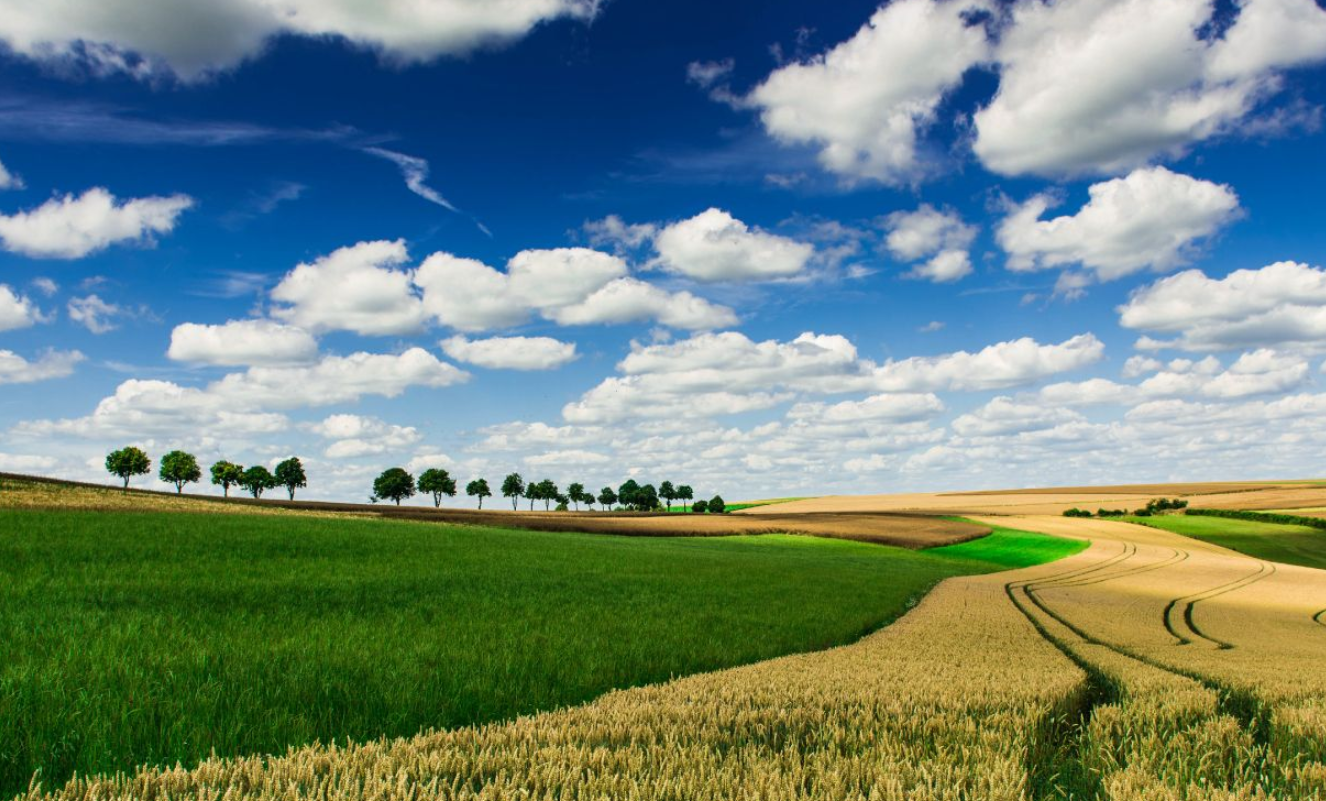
x: 768, y: 248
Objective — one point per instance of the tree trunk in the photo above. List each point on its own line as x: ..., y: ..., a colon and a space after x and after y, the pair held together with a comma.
x: 398, y: 501
x: 225, y: 490
x: 126, y: 483
x: 480, y: 501
x: 292, y: 492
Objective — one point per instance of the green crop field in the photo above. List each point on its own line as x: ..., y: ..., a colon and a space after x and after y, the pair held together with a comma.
x: 1010, y: 549
x: 154, y: 637
x: 1294, y: 545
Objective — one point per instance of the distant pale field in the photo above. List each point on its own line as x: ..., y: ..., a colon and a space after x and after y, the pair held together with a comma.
x: 1216, y: 495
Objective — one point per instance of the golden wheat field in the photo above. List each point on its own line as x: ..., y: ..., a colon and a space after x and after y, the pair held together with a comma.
x: 1148, y: 666
x: 1053, y: 501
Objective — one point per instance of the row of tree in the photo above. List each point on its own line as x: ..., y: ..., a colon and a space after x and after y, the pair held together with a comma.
x: 397, y: 484
x: 181, y: 468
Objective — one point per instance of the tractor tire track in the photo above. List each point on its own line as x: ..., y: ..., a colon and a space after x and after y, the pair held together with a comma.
x: 1264, y: 570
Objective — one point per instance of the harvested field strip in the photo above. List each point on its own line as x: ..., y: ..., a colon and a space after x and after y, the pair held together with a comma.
x: 905, y: 713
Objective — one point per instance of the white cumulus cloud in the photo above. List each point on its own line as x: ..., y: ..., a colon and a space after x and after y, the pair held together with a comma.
x: 94, y: 314
x: 16, y: 311
x: 146, y: 38
x: 354, y: 435
x: 715, y: 246
x: 241, y: 343
x: 1282, y: 304
x: 9, y: 180
x: 865, y: 102
x: 1091, y: 86
x: 354, y: 288
x: 569, y: 286
x: 999, y: 366
x: 1148, y: 220
x: 941, y: 237
x: 71, y: 227
x: 14, y: 369
x: 511, y: 353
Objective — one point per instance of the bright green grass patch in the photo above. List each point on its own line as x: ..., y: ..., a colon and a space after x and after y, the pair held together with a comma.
x: 1009, y: 548
x: 133, y: 638
x: 1294, y: 545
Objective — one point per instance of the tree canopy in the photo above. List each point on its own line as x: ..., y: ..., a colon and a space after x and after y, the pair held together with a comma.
x: 226, y: 474
x: 257, y: 480
x: 513, y: 486
x: 290, y: 474
x: 128, y: 462
x: 478, y: 488
x: 180, y: 468
x: 437, y: 482
x: 395, y: 484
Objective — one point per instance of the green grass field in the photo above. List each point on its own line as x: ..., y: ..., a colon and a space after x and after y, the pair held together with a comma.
x: 137, y: 638
x: 1294, y: 545
x: 1011, y: 549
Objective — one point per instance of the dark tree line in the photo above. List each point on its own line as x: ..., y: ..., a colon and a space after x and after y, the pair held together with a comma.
x: 396, y: 484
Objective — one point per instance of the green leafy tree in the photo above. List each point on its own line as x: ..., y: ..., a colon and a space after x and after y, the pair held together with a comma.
x: 716, y: 505
x: 587, y: 498
x: 257, y: 480
x: 290, y: 474
x: 180, y: 468
x: 626, y: 493
x: 685, y: 493
x: 226, y: 475
x: 668, y: 493
x: 478, y: 488
x: 608, y: 498
x: 646, y: 498
x: 576, y: 492
x: 532, y: 493
x: 395, y: 484
x: 548, y: 492
x: 700, y: 507
x: 513, y: 486
x: 562, y: 501
x: 437, y: 482
x: 128, y: 462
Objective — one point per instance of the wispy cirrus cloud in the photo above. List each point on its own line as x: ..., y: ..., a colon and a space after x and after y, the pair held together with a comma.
x: 415, y: 171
